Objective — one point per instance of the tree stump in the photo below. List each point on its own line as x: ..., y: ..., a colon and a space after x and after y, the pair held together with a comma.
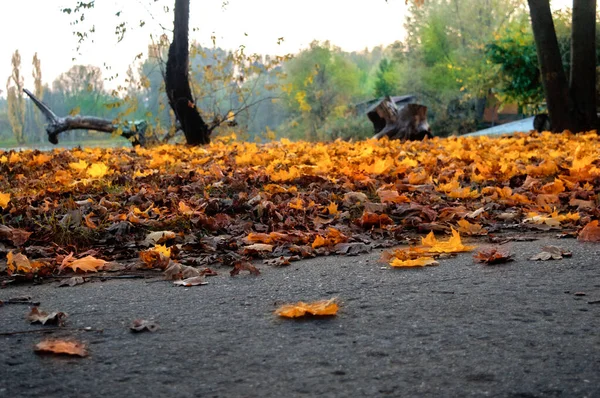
x: 406, y: 123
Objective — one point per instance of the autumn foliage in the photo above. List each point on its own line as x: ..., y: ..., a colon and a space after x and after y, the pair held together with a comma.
x: 229, y: 202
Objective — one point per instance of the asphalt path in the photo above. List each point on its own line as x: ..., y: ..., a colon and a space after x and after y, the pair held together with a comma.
x: 460, y: 329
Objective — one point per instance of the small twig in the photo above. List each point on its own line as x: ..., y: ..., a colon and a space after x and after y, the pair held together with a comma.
x: 102, y: 276
x: 50, y: 331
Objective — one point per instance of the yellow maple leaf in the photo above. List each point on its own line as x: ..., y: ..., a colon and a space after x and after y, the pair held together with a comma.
x: 452, y: 245
x: 97, y: 170
x: 418, y: 262
x: 4, y: 199
x: 333, y: 208
x: 163, y: 249
x: 79, y: 166
x: 322, y: 308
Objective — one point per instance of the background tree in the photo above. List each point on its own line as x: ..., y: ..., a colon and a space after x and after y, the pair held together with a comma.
x: 38, y: 90
x: 15, y: 99
x: 571, y: 104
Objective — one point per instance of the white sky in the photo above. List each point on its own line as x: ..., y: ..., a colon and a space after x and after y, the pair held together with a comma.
x: 38, y: 26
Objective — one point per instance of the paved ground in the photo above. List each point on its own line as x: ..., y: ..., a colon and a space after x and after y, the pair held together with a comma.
x: 457, y: 330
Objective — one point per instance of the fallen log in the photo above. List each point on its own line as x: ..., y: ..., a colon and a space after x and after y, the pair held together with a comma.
x: 406, y: 123
x: 134, y: 132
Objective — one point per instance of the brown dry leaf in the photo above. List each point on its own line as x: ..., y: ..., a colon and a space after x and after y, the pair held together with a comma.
x: 257, y: 248
x: 154, y: 259
x: 590, y: 233
x: 158, y: 237
x: 18, y: 263
x: 418, y: 262
x: 73, y: 281
x: 281, y: 261
x: 193, y: 281
x: 61, y: 347
x: 17, y: 236
x: 352, y: 249
x: 53, y: 318
x: 174, y: 271
x: 316, y: 308
x: 551, y: 253
x: 493, y: 256
x: 141, y: 325
x: 244, y: 266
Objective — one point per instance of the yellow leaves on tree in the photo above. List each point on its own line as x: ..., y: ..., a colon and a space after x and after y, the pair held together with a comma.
x: 317, y: 308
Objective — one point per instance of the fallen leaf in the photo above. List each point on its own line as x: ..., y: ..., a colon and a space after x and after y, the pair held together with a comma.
x: 244, y: 266
x: 174, y: 271
x: 154, y: 259
x: 317, y: 308
x: 18, y: 263
x: 4, y: 200
x: 281, y: 261
x: 257, y: 248
x: 158, y: 237
x: 86, y: 264
x: 17, y: 236
x: 493, y: 256
x: 53, y: 318
x: 419, y: 262
x: 61, y: 347
x: 590, y: 233
x: 141, y: 325
x: 194, y: 281
x: 73, y: 281
x: 452, y: 245
x: 352, y: 249
x: 471, y: 229
x: 551, y: 253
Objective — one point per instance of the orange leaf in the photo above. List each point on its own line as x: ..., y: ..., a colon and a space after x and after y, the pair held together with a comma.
x: 86, y: 264
x: 590, y: 233
x: 419, y: 262
x: 61, y: 347
x: 4, y: 199
x: 297, y: 204
x: 452, y: 245
x: 18, y: 263
x: 471, y: 229
x: 322, y: 308
x: 318, y: 242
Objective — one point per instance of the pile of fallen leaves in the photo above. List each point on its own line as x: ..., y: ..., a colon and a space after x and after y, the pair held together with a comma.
x: 185, y: 209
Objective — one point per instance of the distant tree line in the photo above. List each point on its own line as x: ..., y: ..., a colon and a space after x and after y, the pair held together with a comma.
x: 457, y: 56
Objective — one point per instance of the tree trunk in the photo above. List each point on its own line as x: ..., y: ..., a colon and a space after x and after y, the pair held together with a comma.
x: 177, y: 80
x: 553, y: 75
x: 582, y: 87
